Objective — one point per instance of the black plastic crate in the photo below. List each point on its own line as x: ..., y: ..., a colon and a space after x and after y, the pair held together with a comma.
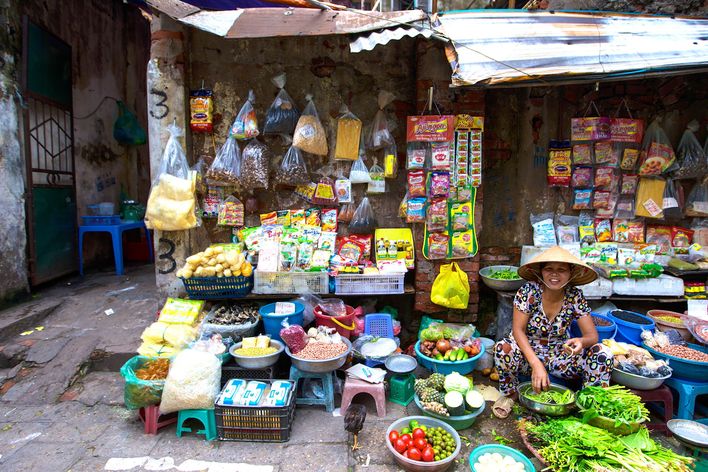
x: 217, y: 288
x: 234, y: 371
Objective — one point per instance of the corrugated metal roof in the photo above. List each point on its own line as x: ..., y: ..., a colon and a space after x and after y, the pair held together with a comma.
x: 508, y: 47
x: 370, y: 41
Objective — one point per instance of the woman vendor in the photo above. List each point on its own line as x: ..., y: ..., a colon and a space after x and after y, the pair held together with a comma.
x: 539, y: 343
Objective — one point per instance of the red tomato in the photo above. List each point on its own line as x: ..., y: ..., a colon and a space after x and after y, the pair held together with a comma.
x: 392, y: 436
x: 420, y: 443
x: 418, y: 433
x: 400, y: 445
x: 405, y: 454
x: 414, y: 454
x: 406, y: 438
x: 428, y: 454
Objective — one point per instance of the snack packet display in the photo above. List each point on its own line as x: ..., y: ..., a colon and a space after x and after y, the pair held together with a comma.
x: 462, y: 243
x: 629, y: 184
x: 329, y: 219
x: 603, y: 230
x: 282, y: 115
x: 439, y: 184
x: 230, y: 212
x: 343, y: 190
x: 582, y: 154
x: 559, y: 169
x: 629, y: 158
x: 582, y: 199
x: 416, y: 183
x: 416, y: 154
x: 437, y: 245
x: 661, y: 237
x: 201, y: 111
x: 441, y: 156
x: 415, y: 210
x: 582, y: 177
x: 601, y: 199
x: 636, y: 231
x: 245, y: 126
x: 604, y: 177
x: 605, y: 154
x: 460, y: 214
x: 324, y: 193
x: 309, y: 134
x: 437, y: 215
x: 544, y: 233
x: 391, y: 162
x: 620, y: 230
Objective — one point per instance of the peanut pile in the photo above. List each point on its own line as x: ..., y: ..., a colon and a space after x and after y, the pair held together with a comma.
x: 321, y: 351
x: 684, y: 353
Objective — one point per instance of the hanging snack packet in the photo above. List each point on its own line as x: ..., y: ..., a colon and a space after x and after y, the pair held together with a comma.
x: 636, y: 231
x: 415, y: 210
x: 359, y: 174
x: 329, y: 219
x: 309, y: 134
x: 270, y: 218
x: 416, y: 183
x: 437, y: 245
x: 379, y: 135
x: 363, y: 221
x: 620, y: 230
x: 544, y: 233
x: 327, y: 241
x: 582, y: 199
x: 365, y: 241
x: 324, y: 193
x: 312, y: 217
x: 586, y: 229
x: 245, y: 126
x: 304, y: 256
x: 201, y: 109
x: 292, y: 170
x: 288, y: 256
x: 559, y: 169
x: 625, y: 207
x: 681, y: 237
x: 346, y: 213
x: 661, y: 237
x: 657, y: 153
x: 604, y: 177
x: 230, y: 212
x: 441, y: 156
x: 378, y: 182
x: 255, y: 165
x: 416, y: 153
x: 282, y: 115
x: 603, y: 230
x: 605, y: 154
x: 582, y: 154
x: 629, y: 184
x: 403, y: 206
x: 226, y: 168
x: 629, y: 158
x: 582, y: 177
x: 463, y: 193
x: 460, y: 214
x: 462, y: 244
x: 343, y: 190
x: 297, y: 217
x: 391, y: 162
x: 348, y: 135
x: 437, y: 215
x: 609, y: 210
x: 439, y: 184
x: 567, y: 229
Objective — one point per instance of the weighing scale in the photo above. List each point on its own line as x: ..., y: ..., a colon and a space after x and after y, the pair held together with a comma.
x: 402, y: 380
x: 693, y: 435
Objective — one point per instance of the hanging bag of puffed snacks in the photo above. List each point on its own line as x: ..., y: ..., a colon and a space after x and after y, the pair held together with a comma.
x: 231, y: 212
x: 379, y: 134
x: 657, y: 153
x: 363, y: 221
x: 226, y: 168
x: 359, y: 174
x: 293, y: 170
x: 254, y: 167
x: 348, y: 135
x: 245, y: 126
x: 690, y: 155
x: 172, y: 202
x: 378, y: 182
x: 282, y: 115
x: 309, y: 134
x: 697, y: 201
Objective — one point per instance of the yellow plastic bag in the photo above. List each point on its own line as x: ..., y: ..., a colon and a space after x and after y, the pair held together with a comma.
x: 451, y: 288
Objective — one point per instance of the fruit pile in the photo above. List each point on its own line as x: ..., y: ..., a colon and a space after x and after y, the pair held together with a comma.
x: 448, y: 395
x: 420, y: 443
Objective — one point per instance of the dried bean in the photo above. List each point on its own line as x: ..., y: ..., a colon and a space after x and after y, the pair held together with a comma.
x: 600, y: 322
x: 684, y: 353
x: 321, y: 351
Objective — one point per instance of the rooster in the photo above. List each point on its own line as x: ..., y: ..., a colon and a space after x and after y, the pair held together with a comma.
x: 354, y: 421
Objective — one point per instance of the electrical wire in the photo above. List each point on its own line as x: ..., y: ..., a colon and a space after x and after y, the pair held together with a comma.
x: 97, y: 107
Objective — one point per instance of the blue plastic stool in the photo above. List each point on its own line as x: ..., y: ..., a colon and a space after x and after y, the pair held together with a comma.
x: 327, y: 379
x: 116, y: 232
x: 205, y: 416
x: 379, y: 325
x: 688, y: 391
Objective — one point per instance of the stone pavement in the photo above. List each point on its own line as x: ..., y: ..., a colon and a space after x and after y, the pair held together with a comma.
x: 61, y: 397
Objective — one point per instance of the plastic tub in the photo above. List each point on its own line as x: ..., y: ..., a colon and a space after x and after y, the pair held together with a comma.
x: 418, y: 466
x: 679, y: 325
x: 683, y: 368
x: 458, y: 422
x: 603, y: 332
x: 272, y: 322
x: 487, y: 359
x: 627, y: 331
x: 504, y: 451
x: 448, y: 367
x: 320, y: 366
x: 345, y: 325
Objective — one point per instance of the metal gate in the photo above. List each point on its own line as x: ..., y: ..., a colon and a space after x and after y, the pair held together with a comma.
x: 49, y: 154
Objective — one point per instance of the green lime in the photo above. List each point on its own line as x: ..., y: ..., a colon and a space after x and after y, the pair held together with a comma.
x: 423, y: 427
x: 405, y: 431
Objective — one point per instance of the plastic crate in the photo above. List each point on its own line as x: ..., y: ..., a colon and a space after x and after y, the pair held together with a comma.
x: 100, y: 220
x: 215, y: 288
x: 231, y: 370
x: 257, y: 424
x: 290, y: 282
x: 372, y: 284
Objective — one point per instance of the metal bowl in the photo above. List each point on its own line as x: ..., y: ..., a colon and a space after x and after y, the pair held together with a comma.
x: 635, y: 381
x: 259, y: 362
x: 691, y: 433
x: 320, y: 366
x: 501, y: 285
x: 401, y: 364
x: 550, y: 409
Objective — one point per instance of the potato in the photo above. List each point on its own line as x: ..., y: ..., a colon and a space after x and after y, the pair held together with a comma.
x: 218, y: 249
x: 225, y: 265
x: 199, y: 272
x: 231, y: 258
x: 247, y: 270
x: 209, y: 252
x: 179, y: 273
x: 236, y: 273
x: 221, y: 258
x: 219, y: 268
x: 187, y: 274
x: 209, y: 271
x: 227, y: 273
x: 191, y: 267
x: 195, y: 259
x: 212, y: 262
x: 219, y: 273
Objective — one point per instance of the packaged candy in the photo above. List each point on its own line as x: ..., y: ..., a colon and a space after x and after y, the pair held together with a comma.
x: 415, y: 211
x: 661, y: 237
x: 283, y: 217
x: 582, y: 154
x: 416, y: 153
x: 608, y: 252
x: 324, y: 192
x: 601, y: 199
x: 307, y: 192
x: 329, y: 219
x: 603, y: 230
x: 312, y: 217
x: 230, y: 212
x: 245, y: 126
x: 620, y: 230
x: 365, y: 241
x: 582, y: 199
x: 681, y: 237
x: 582, y: 177
x: 350, y: 250
x: 327, y: 241
x: 625, y: 207
x: 320, y: 259
x: 343, y: 190
x: 636, y: 231
x: 416, y: 183
x: 626, y: 256
x: 288, y: 255
x: 629, y: 158
x: 462, y: 243
x: 605, y: 154
x: 440, y: 156
x: 297, y: 217
x: 437, y: 245
x: 437, y: 215
x: 304, y: 256
x: 629, y: 184
x: 463, y: 193
x: 201, y: 109
x: 270, y: 218
x: 559, y: 169
x: 604, y: 177
x: 586, y: 234
x: 439, y: 184
x: 609, y: 210
x: 460, y: 214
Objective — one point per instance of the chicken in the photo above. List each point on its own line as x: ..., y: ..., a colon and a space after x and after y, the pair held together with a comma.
x: 354, y: 421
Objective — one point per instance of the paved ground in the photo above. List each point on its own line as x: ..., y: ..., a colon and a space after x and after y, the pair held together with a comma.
x: 61, y: 397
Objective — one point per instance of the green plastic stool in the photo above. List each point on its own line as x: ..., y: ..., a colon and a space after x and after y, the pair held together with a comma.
x: 402, y: 389
x: 205, y: 416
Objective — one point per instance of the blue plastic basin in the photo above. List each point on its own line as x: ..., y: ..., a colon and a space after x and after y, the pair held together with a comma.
x: 630, y: 332
x: 448, y: 367
x: 603, y: 332
x: 683, y: 368
x: 272, y: 323
x: 504, y: 451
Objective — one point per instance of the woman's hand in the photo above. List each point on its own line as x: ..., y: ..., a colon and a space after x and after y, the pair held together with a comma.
x: 573, y: 346
x: 539, y: 377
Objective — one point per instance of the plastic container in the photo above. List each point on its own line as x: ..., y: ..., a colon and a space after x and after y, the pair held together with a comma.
x: 630, y: 332
x: 683, y: 368
x: 458, y: 422
x: 372, y: 284
x: 345, y: 325
x: 290, y: 282
x: 258, y: 362
x: 217, y: 288
x: 662, y: 325
x: 487, y: 359
x: 419, y: 466
x: 603, y: 332
x: 448, y: 367
x: 664, y: 286
x: 504, y: 451
x: 272, y: 323
x: 320, y: 366
x: 102, y: 209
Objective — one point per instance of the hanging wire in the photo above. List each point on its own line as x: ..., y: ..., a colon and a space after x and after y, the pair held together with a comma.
x: 97, y: 107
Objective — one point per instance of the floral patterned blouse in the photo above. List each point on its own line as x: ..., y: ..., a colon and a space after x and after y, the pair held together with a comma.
x: 528, y: 300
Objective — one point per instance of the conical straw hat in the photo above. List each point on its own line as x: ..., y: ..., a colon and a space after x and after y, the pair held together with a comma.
x: 581, y: 273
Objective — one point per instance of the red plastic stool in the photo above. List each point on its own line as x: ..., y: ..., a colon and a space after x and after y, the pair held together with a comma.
x: 354, y: 386
x: 659, y: 395
x: 150, y: 416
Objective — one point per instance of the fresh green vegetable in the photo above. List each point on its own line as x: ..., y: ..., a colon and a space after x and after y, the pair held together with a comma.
x: 570, y: 445
x: 474, y: 399
x: 430, y: 334
x: 455, y: 382
x: 501, y: 439
x: 504, y: 274
x: 615, y: 402
x: 553, y: 397
x: 455, y: 403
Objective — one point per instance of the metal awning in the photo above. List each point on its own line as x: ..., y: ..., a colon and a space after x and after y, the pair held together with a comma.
x: 515, y: 47
x: 368, y: 42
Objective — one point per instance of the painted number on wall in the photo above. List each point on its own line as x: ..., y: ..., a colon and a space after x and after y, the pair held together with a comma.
x: 167, y: 262
x: 159, y: 109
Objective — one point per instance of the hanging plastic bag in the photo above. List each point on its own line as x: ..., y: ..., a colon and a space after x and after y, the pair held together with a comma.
x: 451, y: 288
x: 254, y: 167
x: 282, y: 115
x: 378, y: 182
x: 671, y: 204
x: 292, y: 170
x: 200, y: 185
x: 697, y: 201
x: 359, y: 174
x: 231, y: 212
x: 309, y: 134
x: 363, y: 220
x: 127, y: 129
x: 657, y: 153
x: 226, y: 168
x: 391, y: 162
x: 348, y: 135
x: 172, y: 202
x: 245, y: 126
x: 379, y: 134
x: 650, y: 196
x: 143, y: 381
x: 192, y: 383
x: 324, y: 192
x: 343, y: 188
x: 690, y: 154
